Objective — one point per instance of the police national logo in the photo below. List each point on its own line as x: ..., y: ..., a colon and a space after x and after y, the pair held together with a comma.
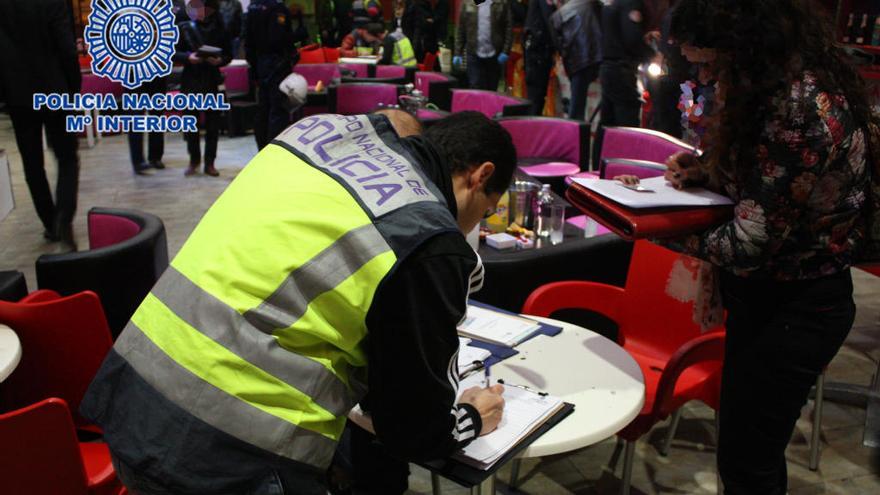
x: 131, y: 41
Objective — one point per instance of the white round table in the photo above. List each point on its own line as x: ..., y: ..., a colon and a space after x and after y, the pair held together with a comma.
x: 581, y: 367
x: 10, y: 351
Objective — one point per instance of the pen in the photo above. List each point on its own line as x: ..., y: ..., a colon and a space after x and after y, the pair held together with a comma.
x: 488, y: 377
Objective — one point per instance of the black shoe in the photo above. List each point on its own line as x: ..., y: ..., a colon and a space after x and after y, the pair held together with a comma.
x: 64, y: 232
x: 157, y: 164
x: 143, y: 169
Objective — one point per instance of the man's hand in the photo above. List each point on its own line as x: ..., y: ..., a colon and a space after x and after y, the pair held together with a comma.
x: 502, y: 59
x: 215, y: 60
x: 456, y: 60
x: 488, y: 402
x: 194, y: 58
x: 683, y: 170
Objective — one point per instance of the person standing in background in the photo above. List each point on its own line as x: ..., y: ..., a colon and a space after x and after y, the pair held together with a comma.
x: 270, y: 53
x: 38, y: 55
x: 441, y: 20
x: 577, y: 32
x: 325, y: 18
x: 155, y: 140
x: 201, y: 74
x: 231, y: 13
x: 418, y: 26
x: 344, y: 21
x: 623, y: 48
x: 538, y: 52
x: 485, y: 35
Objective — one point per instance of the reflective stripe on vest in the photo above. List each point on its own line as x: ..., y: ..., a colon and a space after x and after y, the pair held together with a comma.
x: 403, y: 52
x: 257, y: 326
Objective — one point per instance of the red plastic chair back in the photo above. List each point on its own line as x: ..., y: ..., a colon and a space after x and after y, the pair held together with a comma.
x: 429, y: 61
x: 63, y: 341
x: 660, y: 287
x: 40, y: 453
x: 311, y: 54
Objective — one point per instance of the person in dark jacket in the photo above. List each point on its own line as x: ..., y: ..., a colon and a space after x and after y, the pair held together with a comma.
x: 441, y: 20
x: 326, y: 20
x: 231, y: 12
x: 538, y: 52
x: 623, y: 48
x: 270, y: 53
x: 484, y: 35
x: 38, y: 55
x: 418, y: 25
x: 201, y: 74
x: 577, y: 33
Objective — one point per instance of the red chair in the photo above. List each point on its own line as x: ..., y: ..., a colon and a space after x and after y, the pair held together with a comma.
x: 41, y: 455
x: 680, y: 363
x: 429, y: 61
x: 63, y: 341
x: 311, y: 54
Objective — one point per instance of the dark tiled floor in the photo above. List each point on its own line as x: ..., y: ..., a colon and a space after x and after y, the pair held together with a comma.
x: 846, y: 468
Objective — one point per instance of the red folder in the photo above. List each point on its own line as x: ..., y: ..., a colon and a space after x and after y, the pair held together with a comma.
x: 638, y: 223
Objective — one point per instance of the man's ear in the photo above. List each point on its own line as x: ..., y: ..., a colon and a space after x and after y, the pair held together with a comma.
x: 481, y: 175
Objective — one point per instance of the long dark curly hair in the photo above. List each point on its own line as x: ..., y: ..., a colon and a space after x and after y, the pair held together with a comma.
x: 763, y: 47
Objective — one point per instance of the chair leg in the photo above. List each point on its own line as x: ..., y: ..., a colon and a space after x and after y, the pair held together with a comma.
x: 815, y: 442
x: 718, y: 488
x: 435, y: 484
x: 670, y: 434
x: 626, y: 479
x: 514, y: 472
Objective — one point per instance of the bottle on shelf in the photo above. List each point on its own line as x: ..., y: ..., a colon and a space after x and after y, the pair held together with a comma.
x: 860, y: 34
x: 849, y: 29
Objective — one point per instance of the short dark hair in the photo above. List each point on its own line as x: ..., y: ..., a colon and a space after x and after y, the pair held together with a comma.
x: 468, y: 139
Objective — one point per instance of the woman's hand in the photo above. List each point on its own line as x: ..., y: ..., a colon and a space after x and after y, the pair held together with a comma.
x: 629, y: 180
x: 194, y: 58
x: 683, y: 170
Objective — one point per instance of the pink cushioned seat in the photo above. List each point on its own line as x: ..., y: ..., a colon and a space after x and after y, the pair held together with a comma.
x: 313, y: 73
x: 640, y: 144
x: 489, y: 103
x: 359, y: 98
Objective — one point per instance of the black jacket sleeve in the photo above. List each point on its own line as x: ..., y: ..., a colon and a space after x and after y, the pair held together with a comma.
x: 413, y: 352
x: 387, y: 50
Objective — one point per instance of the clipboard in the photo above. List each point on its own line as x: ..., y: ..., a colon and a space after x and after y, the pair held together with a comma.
x: 640, y: 223
x: 468, y: 476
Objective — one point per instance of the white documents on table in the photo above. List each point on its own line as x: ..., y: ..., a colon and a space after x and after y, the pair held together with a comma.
x: 496, y: 328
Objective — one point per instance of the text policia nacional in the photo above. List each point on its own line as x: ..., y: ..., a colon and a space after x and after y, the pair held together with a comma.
x: 133, y: 105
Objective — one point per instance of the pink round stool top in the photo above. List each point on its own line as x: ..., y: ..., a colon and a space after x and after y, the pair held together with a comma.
x: 551, y: 169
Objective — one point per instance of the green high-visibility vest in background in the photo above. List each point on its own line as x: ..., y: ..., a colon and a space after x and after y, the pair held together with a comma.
x: 403, y: 51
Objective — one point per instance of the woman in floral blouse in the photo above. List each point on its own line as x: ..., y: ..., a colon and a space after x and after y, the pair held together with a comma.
x: 788, y: 144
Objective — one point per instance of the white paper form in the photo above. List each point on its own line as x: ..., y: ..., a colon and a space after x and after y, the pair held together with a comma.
x: 664, y: 195
x: 524, y: 411
x: 497, y: 328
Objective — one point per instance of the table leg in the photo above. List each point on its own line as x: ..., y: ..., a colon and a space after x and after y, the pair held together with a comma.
x: 435, y: 484
x: 485, y: 488
x: 514, y: 472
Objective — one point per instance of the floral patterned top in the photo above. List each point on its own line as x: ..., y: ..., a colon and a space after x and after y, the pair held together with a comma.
x: 800, y: 216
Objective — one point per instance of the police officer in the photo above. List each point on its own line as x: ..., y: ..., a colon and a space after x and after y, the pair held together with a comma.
x: 347, y: 263
x: 398, y: 50
x: 269, y: 49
